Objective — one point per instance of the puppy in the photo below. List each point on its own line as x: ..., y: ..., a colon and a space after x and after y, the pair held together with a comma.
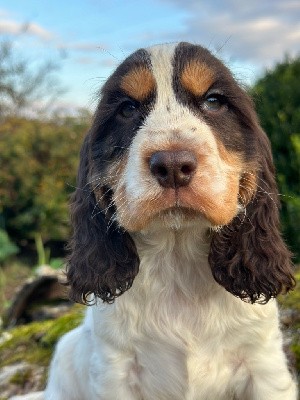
x: 176, y: 244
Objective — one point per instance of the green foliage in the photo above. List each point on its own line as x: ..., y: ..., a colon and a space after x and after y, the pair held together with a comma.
x: 56, y: 263
x: 277, y: 96
x: 7, y: 247
x: 42, y: 252
x: 38, y: 157
x: 291, y: 301
x: 37, y: 173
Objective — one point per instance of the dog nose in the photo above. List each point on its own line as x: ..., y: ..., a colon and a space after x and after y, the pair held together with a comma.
x: 173, y: 169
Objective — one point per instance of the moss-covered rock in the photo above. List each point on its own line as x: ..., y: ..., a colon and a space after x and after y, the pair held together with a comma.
x: 21, y: 377
x: 33, y: 344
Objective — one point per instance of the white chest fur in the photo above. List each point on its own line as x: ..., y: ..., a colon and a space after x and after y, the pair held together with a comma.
x: 176, y: 334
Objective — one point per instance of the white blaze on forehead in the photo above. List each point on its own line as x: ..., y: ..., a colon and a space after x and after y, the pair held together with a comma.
x: 167, y: 114
x: 162, y: 69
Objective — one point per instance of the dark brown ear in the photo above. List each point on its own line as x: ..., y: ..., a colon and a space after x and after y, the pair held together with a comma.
x: 248, y: 257
x: 103, y: 260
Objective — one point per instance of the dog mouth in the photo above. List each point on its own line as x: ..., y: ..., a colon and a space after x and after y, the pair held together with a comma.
x: 178, y: 217
x: 181, y: 201
x: 178, y: 210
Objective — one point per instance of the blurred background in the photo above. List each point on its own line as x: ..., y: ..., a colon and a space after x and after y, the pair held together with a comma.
x: 54, y: 57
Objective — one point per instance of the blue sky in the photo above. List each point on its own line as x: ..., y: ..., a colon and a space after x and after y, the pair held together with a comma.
x: 88, y: 39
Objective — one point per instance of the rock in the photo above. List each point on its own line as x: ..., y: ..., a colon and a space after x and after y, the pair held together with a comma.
x: 46, y: 270
x: 29, y: 302
x: 289, y: 317
x: 19, y: 378
x: 8, y: 372
x: 29, y: 396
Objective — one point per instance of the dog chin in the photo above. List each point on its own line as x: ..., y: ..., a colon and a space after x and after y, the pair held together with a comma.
x: 179, y: 218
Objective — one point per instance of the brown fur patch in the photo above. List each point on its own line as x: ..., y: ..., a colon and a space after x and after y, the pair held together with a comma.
x: 248, y: 187
x: 233, y: 159
x: 138, y: 83
x: 197, y: 77
x: 248, y: 183
x: 220, y: 209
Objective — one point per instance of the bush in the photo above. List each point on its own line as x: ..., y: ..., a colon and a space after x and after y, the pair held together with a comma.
x: 7, y: 247
x: 277, y: 96
x: 38, y: 165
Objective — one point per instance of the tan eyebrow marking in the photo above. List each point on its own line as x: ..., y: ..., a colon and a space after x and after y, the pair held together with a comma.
x: 138, y: 83
x: 197, y: 77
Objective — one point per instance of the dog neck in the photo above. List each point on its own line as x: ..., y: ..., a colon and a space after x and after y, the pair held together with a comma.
x: 175, y: 260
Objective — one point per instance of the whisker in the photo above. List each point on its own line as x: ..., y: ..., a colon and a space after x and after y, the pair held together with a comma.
x: 119, y: 211
x: 262, y: 190
x: 105, y: 179
x: 98, y: 202
x: 257, y: 177
x: 111, y: 203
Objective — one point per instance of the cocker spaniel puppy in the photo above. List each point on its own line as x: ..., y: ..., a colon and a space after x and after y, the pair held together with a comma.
x: 176, y: 243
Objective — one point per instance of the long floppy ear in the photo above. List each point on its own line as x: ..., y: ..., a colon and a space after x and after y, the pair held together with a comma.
x: 248, y: 257
x: 103, y: 260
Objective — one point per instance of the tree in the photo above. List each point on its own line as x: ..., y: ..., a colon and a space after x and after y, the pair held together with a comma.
x: 21, y: 85
x: 277, y: 98
x: 37, y: 159
x: 38, y: 166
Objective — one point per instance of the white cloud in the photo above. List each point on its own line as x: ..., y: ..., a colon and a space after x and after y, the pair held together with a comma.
x: 256, y: 31
x: 37, y: 30
x: 83, y: 46
x: 289, y: 5
x: 11, y: 27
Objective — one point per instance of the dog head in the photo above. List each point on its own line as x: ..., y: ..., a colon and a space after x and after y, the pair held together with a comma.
x: 175, y: 136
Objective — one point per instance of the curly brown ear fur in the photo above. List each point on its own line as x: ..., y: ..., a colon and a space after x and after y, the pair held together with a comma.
x: 103, y: 259
x: 248, y: 257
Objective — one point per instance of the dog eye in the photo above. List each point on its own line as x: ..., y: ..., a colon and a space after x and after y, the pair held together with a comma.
x: 128, y: 109
x: 214, y: 102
